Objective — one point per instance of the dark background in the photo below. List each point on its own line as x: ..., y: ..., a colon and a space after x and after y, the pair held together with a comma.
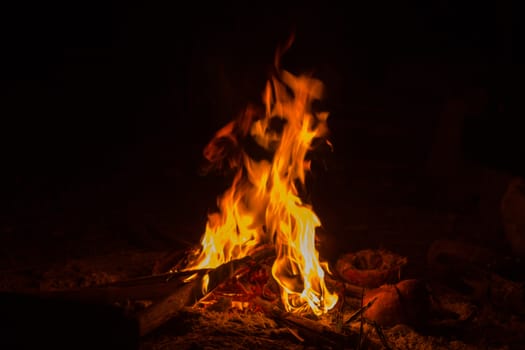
x: 106, y: 106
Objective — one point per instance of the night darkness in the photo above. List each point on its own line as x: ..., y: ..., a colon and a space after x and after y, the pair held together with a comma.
x: 107, y: 106
x: 125, y: 95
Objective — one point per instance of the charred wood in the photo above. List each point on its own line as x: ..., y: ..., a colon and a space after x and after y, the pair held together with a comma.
x: 192, y: 291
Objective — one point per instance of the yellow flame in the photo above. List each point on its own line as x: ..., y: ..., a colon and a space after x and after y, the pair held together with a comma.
x: 263, y: 203
x: 205, y: 283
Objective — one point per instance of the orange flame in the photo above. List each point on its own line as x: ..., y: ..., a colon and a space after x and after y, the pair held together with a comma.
x: 268, y: 151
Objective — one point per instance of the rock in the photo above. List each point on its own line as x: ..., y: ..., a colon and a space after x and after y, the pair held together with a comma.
x: 406, y: 302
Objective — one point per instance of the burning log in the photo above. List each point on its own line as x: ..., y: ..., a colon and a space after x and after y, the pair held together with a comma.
x: 268, y: 148
x: 308, y: 329
x: 198, y: 286
x: 169, y: 292
x: 164, y: 310
x: 315, y: 331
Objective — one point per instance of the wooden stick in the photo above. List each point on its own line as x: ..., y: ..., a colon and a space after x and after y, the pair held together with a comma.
x: 142, y: 288
x: 360, y: 311
x: 192, y: 291
x: 164, y: 310
x: 313, y: 330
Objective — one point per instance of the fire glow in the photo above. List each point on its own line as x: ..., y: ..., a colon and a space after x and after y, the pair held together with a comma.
x: 263, y: 204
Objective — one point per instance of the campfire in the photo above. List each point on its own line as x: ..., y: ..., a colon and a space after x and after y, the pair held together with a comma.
x: 268, y: 149
x: 259, y: 252
x: 257, y: 270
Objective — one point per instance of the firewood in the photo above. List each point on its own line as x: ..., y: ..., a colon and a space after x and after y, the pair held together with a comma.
x: 191, y: 292
x: 142, y: 288
x: 358, y: 314
x: 164, y: 310
x: 169, y: 292
x: 312, y: 330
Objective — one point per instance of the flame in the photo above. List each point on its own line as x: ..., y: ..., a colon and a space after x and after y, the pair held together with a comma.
x: 268, y: 152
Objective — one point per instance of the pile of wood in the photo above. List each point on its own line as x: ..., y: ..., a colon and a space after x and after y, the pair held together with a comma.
x: 243, y: 285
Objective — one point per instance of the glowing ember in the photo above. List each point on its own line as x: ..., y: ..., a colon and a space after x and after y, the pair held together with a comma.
x: 269, y: 155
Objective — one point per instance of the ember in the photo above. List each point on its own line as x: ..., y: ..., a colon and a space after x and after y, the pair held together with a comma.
x: 269, y: 154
